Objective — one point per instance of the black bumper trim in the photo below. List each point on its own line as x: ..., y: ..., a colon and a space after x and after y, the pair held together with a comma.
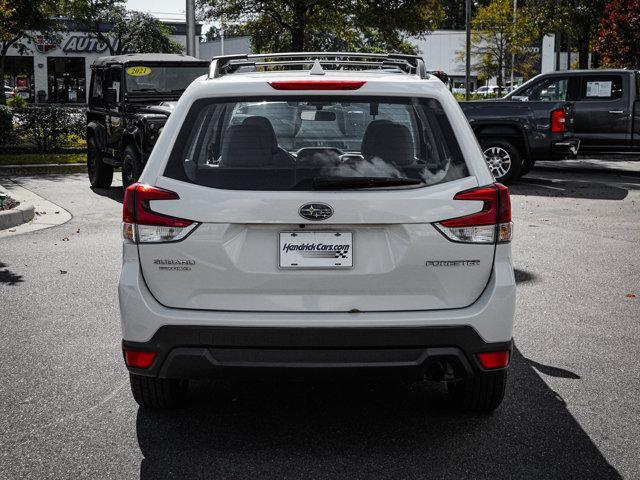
x: 201, y: 352
x: 565, y: 149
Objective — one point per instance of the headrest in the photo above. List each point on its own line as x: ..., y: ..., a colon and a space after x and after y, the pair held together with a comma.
x: 392, y: 142
x: 265, y: 124
x: 247, y: 146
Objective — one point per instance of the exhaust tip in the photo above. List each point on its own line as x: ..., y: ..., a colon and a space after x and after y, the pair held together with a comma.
x: 435, y: 371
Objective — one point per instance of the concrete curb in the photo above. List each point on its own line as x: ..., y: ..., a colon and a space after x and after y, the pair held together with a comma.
x: 602, y: 166
x: 34, y: 212
x: 578, y: 170
x: 23, y: 213
x: 42, y: 168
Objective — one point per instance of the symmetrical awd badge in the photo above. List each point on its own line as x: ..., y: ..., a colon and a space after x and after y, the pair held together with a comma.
x: 315, y: 211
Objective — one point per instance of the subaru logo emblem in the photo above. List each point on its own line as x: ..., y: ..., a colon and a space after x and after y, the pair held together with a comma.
x: 315, y: 211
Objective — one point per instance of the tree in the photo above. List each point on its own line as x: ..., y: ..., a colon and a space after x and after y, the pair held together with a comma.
x: 142, y: 33
x: 582, y: 18
x: 618, y: 40
x: 95, y: 15
x: 496, y: 37
x: 230, y: 31
x: 20, y: 20
x: 455, y: 13
x: 122, y: 30
x: 303, y: 25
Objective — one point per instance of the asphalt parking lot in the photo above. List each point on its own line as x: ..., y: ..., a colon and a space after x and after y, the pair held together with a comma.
x: 572, y: 408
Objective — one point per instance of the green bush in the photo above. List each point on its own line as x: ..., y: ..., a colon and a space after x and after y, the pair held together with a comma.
x: 48, y: 127
x: 474, y: 96
x: 16, y: 102
x: 6, y: 124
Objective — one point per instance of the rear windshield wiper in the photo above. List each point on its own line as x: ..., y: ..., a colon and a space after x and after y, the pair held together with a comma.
x: 146, y: 89
x: 330, y: 183
x: 155, y: 90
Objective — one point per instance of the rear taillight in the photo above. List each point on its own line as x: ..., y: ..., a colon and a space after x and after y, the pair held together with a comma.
x: 558, y: 120
x: 143, y: 225
x: 491, y: 224
x: 317, y: 85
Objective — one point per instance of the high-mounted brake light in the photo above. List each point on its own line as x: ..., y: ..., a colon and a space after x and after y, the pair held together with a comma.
x: 317, y: 85
x: 138, y: 358
x: 143, y: 225
x: 491, y: 224
x: 558, y: 120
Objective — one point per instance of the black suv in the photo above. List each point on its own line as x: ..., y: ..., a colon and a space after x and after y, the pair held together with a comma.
x: 130, y: 98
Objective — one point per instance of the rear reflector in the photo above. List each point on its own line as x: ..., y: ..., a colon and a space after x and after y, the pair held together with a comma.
x: 558, y: 120
x: 491, y: 223
x: 143, y: 225
x: 317, y: 85
x: 139, y: 359
x: 491, y: 360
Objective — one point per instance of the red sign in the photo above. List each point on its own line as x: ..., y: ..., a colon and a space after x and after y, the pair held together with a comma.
x: 43, y: 46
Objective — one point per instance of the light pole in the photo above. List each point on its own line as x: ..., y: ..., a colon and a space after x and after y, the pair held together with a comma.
x: 467, y: 56
x: 513, y: 56
x: 191, y: 27
x: 222, y: 36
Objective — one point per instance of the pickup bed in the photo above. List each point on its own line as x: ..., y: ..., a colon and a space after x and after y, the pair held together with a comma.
x: 606, y: 111
x: 514, y: 134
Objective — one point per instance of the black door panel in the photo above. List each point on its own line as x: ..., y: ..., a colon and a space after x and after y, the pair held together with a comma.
x: 602, y: 113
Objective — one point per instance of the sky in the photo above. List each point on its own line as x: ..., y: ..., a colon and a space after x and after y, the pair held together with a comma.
x: 164, y: 9
x: 170, y: 10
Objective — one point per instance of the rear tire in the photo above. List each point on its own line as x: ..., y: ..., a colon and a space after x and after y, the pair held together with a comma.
x: 527, y: 166
x: 100, y: 174
x: 503, y: 158
x: 150, y: 392
x: 481, y: 393
x: 131, y: 168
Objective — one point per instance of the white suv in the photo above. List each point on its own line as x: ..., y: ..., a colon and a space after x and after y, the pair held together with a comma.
x: 317, y: 215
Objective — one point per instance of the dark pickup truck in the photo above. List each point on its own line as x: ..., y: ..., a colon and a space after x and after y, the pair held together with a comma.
x: 606, y: 106
x: 514, y: 134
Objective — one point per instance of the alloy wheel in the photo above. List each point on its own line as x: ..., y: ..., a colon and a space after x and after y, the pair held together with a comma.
x: 499, y: 161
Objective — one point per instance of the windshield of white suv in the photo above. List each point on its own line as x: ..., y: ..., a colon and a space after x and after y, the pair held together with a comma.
x: 316, y: 143
x: 154, y: 78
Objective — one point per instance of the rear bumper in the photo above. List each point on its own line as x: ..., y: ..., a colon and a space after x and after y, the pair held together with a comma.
x: 197, y: 343
x: 297, y: 353
x: 564, y: 149
x: 491, y: 315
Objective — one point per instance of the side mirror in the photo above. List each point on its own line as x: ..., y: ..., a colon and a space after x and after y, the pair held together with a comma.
x: 111, y: 96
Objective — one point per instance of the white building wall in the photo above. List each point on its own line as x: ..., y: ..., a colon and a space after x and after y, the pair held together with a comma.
x: 441, y: 51
x: 548, y: 54
x: 234, y: 45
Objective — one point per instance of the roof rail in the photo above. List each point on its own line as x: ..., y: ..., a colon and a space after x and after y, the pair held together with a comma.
x: 227, y: 64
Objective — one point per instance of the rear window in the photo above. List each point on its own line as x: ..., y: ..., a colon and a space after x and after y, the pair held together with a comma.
x: 316, y: 143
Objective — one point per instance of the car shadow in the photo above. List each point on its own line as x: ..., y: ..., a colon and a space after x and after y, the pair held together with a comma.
x: 524, y: 276
x: 315, y: 430
x: 114, y: 193
x: 8, y: 277
x: 593, y: 188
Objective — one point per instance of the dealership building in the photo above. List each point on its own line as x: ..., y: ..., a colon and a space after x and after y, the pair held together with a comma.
x: 59, y: 72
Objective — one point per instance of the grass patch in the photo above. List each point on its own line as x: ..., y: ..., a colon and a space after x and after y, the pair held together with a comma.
x: 39, y: 158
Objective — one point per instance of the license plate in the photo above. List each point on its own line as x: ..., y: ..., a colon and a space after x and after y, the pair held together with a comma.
x: 316, y: 249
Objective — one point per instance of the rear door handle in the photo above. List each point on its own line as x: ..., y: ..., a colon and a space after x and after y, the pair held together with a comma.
x: 616, y: 111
